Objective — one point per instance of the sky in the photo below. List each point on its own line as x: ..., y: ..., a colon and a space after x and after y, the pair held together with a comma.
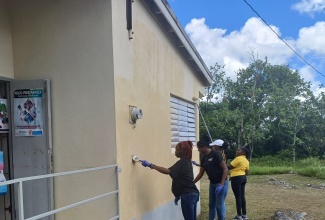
x: 233, y: 33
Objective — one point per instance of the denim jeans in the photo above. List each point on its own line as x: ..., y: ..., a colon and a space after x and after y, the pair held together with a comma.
x: 217, y: 201
x: 188, y: 203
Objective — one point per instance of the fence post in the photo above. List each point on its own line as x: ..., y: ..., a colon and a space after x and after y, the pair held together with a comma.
x: 21, y: 201
x: 118, y: 170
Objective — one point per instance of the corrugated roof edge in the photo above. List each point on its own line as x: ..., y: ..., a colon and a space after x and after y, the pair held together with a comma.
x: 162, y: 11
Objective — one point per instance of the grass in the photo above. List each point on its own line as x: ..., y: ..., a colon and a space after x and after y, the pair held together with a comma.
x: 312, y: 167
x: 264, y: 197
x: 259, y: 170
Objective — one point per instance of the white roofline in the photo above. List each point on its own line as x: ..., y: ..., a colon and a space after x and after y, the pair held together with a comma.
x: 167, y: 19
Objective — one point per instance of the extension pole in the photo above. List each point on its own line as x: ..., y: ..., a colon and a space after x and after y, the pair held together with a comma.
x: 204, y: 122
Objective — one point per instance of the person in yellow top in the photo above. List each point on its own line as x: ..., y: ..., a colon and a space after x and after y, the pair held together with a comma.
x: 238, y: 170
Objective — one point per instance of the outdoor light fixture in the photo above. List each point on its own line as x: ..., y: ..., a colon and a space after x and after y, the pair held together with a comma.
x: 135, y: 114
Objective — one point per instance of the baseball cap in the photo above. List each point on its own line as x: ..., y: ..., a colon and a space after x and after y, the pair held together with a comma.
x: 217, y: 142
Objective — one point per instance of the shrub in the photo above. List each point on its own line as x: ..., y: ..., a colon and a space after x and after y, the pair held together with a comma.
x: 271, y: 161
x: 311, y: 167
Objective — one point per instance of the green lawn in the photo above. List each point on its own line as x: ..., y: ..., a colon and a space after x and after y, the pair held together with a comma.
x: 264, y: 197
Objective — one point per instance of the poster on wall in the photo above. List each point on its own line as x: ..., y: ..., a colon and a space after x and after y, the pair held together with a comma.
x: 28, y: 113
x: 3, y: 189
x: 4, y: 127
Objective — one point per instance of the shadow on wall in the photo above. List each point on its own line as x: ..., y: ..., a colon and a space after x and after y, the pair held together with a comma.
x: 167, y: 211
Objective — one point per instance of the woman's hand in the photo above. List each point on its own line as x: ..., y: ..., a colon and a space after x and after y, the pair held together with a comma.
x: 145, y: 163
x: 195, y: 163
x: 219, y: 188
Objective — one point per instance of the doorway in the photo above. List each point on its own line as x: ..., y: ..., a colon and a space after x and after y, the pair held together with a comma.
x: 6, y: 202
x: 26, y: 153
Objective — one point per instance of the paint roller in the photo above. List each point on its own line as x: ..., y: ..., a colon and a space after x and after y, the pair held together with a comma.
x: 135, y: 158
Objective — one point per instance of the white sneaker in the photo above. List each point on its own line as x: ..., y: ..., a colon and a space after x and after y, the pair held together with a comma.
x: 244, y: 217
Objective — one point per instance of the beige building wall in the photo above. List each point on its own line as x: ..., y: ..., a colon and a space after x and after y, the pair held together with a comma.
x: 6, y: 55
x: 148, y: 69
x: 96, y: 73
x: 70, y: 43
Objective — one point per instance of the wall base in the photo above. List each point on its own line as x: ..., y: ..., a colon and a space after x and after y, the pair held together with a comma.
x: 168, y: 211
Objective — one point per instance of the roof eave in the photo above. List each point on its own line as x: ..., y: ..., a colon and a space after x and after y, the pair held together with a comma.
x: 168, y: 21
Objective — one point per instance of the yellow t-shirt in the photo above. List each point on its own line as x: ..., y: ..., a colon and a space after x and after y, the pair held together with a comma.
x: 240, y: 164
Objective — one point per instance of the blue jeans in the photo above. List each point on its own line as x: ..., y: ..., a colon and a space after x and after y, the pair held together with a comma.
x: 217, y: 202
x: 188, y: 203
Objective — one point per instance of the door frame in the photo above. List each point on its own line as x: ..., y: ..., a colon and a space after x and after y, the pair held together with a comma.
x: 43, y: 84
x: 10, y: 212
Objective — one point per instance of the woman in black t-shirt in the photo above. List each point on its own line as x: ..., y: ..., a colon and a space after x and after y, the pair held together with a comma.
x: 216, y: 169
x: 181, y: 172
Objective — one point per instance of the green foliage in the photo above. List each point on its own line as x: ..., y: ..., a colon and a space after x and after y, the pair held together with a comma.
x: 3, y: 108
x: 316, y: 172
x: 257, y: 170
x: 312, y: 161
x: 217, y: 74
x: 268, y: 108
x: 284, y: 155
x: 271, y: 161
x: 311, y: 167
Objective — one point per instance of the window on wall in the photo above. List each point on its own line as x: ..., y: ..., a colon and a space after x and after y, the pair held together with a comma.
x: 182, y: 114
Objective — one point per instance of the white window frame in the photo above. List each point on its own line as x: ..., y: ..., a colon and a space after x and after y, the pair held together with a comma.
x: 183, y: 121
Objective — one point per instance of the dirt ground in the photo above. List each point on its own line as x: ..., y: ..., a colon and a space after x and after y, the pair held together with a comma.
x: 266, y: 194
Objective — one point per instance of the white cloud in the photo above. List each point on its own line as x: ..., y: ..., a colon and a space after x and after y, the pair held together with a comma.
x: 310, y: 6
x: 311, y: 44
x: 307, y: 73
x: 311, y: 39
x: 236, y: 49
x: 318, y: 91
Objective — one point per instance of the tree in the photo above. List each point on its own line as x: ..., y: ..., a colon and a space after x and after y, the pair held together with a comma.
x: 247, y: 98
x: 217, y: 74
x: 269, y: 108
x: 289, y: 102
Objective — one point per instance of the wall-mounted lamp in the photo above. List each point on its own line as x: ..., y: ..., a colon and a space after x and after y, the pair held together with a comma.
x: 135, y: 114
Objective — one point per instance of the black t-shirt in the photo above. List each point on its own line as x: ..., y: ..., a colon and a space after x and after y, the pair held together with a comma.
x: 182, y: 174
x: 211, y: 164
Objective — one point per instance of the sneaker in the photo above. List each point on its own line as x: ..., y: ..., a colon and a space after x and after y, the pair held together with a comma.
x: 244, y: 217
x: 237, y: 217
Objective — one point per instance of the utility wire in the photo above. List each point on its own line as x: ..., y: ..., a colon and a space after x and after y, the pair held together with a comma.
x: 283, y: 40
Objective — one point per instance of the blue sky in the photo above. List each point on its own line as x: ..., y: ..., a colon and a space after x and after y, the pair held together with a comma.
x: 229, y: 32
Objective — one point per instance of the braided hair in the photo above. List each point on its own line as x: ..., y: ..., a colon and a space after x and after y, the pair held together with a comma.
x: 185, y: 147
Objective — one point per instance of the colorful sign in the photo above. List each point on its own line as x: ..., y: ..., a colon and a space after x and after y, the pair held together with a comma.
x: 28, y: 112
x: 4, y: 115
x: 3, y: 189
